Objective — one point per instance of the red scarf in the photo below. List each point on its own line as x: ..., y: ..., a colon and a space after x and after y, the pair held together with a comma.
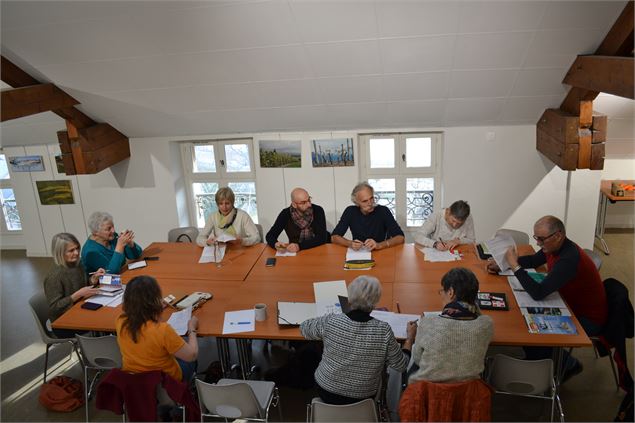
x: 303, y: 221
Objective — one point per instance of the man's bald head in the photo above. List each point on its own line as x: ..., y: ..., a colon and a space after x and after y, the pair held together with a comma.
x: 299, y: 194
x: 551, y: 223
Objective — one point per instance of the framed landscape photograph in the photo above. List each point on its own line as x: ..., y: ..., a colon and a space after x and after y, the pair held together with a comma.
x: 55, y: 192
x: 280, y: 153
x: 332, y: 152
x: 27, y: 164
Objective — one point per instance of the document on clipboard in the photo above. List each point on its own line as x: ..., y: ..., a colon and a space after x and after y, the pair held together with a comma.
x: 293, y: 314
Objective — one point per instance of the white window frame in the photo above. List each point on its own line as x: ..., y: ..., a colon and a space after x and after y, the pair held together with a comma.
x: 222, y: 177
x: 400, y: 172
x: 8, y: 184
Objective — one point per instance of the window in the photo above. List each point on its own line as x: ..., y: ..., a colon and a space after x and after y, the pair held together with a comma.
x: 11, y: 221
x: 210, y: 165
x: 404, y: 170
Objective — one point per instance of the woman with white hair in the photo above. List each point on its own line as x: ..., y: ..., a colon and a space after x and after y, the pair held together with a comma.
x: 67, y: 282
x: 104, y: 248
x: 356, y: 346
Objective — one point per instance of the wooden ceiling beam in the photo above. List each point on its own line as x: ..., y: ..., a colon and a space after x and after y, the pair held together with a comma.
x: 607, y: 74
x: 26, y: 101
x: 617, y: 42
x: 17, y: 78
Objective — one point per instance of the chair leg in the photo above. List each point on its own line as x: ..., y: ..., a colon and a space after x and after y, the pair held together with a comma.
x: 86, y: 391
x: 617, y: 379
x: 278, y: 403
x: 46, y: 361
x: 308, y: 413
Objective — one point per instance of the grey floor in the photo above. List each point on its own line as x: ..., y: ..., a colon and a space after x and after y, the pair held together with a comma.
x: 590, y: 396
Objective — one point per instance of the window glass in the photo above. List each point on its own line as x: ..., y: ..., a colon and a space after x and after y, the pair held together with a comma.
x: 237, y: 156
x: 419, y: 200
x: 204, y: 160
x: 382, y: 152
x: 204, y: 198
x: 418, y: 152
x: 384, y: 192
x: 245, y: 194
x: 4, y: 170
x: 10, y: 210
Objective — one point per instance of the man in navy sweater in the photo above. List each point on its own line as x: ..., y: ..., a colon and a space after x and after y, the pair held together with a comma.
x: 372, y: 225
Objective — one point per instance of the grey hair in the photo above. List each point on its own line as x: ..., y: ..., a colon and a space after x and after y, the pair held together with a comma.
x: 460, y: 210
x: 97, y: 219
x: 58, y: 247
x: 552, y: 223
x: 364, y: 292
x: 358, y: 188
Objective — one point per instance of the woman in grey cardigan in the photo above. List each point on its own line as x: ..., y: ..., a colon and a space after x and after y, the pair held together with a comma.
x: 67, y: 282
x: 356, y: 346
x: 451, y: 346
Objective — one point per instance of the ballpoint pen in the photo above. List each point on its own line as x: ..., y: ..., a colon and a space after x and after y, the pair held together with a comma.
x: 239, y: 323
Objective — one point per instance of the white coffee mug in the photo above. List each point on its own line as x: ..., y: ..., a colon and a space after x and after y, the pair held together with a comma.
x: 261, y: 311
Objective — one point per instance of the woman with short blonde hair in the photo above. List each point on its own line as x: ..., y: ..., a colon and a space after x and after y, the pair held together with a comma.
x: 230, y: 221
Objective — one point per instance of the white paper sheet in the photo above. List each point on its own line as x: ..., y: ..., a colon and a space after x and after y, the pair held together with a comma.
x: 106, y: 300
x: 179, y: 319
x: 212, y: 253
x: 137, y: 265
x: 552, y: 300
x: 329, y: 290
x: 434, y: 255
x: 285, y: 253
x: 239, y: 321
x: 361, y: 254
x: 398, y: 322
x: 498, y: 246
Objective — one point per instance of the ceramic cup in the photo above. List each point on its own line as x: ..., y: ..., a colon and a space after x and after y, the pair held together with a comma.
x: 261, y: 311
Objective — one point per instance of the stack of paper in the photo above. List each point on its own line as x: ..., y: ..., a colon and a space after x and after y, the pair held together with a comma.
x: 179, y: 320
x: 213, y: 253
x: 434, y: 255
x: 498, y: 246
x: 239, y: 321
x: 361, y: 254
x: 292, y: 313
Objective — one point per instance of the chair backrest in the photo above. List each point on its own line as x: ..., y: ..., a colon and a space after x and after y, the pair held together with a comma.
x: 184, y: 234
x: 597, y: 259
x: 362, y: 411
x: 40, y: 308
x: 259, y: 227
x: 235, y: 401
x: 101, y: 352
x: 520, y: 238
x: 521, y: 377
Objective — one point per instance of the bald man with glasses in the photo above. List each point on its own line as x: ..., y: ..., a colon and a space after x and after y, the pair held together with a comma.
x: 570, y: 272
x: 303, y: 222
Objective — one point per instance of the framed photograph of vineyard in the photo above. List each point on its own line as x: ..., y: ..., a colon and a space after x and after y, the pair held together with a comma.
x: 332, y: 152
x: 280, y: 153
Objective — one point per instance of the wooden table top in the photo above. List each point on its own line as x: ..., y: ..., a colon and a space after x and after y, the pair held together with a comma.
x: 605, y: 188
x: 323, y: 263
x: 180, y: 260
x: 415, y: 288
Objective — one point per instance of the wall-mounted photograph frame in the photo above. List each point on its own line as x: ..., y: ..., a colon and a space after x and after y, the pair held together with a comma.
x: 280, y: 153
x: 335, y: 152
x: 26, y: 163
x: 55, y: 192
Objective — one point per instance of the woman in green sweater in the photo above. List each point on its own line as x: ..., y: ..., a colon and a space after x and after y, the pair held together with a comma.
x: 67, y: 282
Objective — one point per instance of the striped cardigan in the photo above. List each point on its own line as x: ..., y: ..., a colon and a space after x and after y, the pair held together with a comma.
x: 354, y: 353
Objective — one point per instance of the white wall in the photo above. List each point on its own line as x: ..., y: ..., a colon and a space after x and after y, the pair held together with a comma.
x: 620, y: 214
x: 506, y: 181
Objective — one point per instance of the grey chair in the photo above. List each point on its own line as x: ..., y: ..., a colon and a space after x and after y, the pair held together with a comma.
x: 362, y: 411
x: 184, y: 234
x: 526, y: 378
x: 238, y: 399
x: 100, y: 355
x: 260, y: 232
x: 597, y: 259
x: 520, y: 238
x: 40, y: 308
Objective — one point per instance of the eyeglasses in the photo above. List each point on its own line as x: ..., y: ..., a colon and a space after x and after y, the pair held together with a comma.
x: 301, y: 203
x: 542, y: 239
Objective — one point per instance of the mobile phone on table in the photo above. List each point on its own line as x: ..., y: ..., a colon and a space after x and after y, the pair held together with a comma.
x: 271, y: 261
x: 91, y: 306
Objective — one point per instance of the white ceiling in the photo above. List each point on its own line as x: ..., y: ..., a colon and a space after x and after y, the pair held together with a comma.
x: 180, y: 68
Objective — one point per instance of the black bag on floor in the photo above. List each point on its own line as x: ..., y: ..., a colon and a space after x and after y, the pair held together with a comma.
x: 298, y: 371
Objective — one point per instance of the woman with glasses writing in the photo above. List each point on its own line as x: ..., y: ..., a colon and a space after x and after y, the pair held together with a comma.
x: 230, y: 221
